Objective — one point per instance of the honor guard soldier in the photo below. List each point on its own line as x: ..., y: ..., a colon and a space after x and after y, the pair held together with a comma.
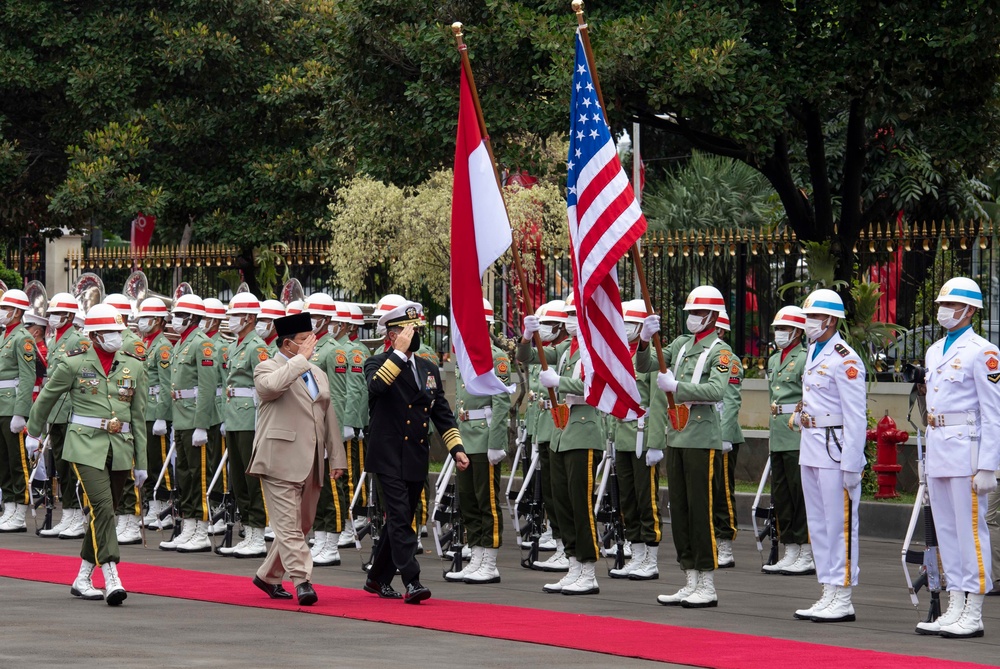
x: 698, y: 374
x: 239, y: 418
x: 832, y: 455
x: 482, y: 422
x: 106, y: 436
x: 215, y: 313
x: 121, y: 305
x: 784, y: 381
x: 65, y: 338
x: 269, y: 310
x: 639, y: 448
x: 152, y: 319
x: 192, y: 387
x: 295, y: 307
x: 17, y: 378
x: 574, y: 458
x: 963, y: 454
x: 442, y: 344
x: 724, y: 493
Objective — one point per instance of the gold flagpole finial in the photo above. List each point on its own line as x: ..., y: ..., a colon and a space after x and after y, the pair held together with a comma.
x: 456, y: 28
x: 578, y: 6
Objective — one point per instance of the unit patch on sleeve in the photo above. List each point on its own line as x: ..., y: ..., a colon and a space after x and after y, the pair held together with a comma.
x: 852, y: 373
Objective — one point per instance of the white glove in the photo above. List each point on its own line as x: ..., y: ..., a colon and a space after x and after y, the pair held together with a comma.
x: 31, y: 445
x: 495, y: 455
x: 140, y: 477
x: 650, y: 326
x: 653, y: 457
x: 200, y: 437
x: 17, y: 424
x: 159, y: 427
x: 348, y: 433
x: 666, y: 382
x: 727, y: 446
x: 851, y: 480
x: 984, y: 482
x: 530, y: 326
x: 549, y: 378
x: 41, y: 474
x: 222, y: 428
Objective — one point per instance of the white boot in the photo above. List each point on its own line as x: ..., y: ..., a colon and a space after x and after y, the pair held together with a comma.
x: 840, y: 609
x: 704, y: 595
x: 804, y: 563
x: 119, y: 524
x: 725, y: 557
x: 268, y: 533
x: 199, y: 542
x: 971, y: 623
x: 474, y: 564
x: 229, y: 550
x: 167, y: 522
x: 130, y: 533
x: 786, y: 561
x: 77, y: 528
x: 255, y: 547
x: 151, y: 518
x: 8, y: 509
x: 348, y: 535
x: 612, y: 550
x: 586, y: 584
x: 487, y: 572
x: 319, y: 543
x: 691, y: 584
x: 956, y: 605
x: 15, y: 523
x: 329, y: 556
x: 187, y: 531
x: 64, y: 522
x: 114, y: 592
x: 572, y: 574
x: 556, y: 562
x: 83, y: 587
x: 648, y: 569
x: 546, y: 542
x: 829, y: 592
x: 638, y: 555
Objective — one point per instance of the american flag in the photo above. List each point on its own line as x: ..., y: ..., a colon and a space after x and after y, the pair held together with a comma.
x: 604, y: 222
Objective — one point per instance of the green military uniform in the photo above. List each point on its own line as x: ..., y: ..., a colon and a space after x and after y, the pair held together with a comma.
x: 17, y: 380
x: 784, y: 378
x: 59, y: 346
x: 483, y: 422
x: 724, y: 494
x: 355, y: 415
x: 545, y: 434
x: 130, y: 504
x: 693, y: 453
x: 102, y: 458
x: 158, y: 407
x: 240, y: 415
x: 216, y: 442
x: 331, y: 510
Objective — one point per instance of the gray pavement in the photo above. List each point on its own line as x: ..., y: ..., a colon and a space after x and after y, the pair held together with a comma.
x: 49, y: 628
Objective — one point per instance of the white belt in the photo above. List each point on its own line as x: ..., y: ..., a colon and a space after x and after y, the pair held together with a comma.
x: 239, y: 392
x: 476, y: 414
x: 576, y: 400
x: 113, y: 425
x: 641, y: 422
x: 779, y: 409
x: 154, y: 390
x: 219, y: 391
x: 10, y: 383
x: 545, y: 405
x: 186, y: 394
x: 952, y: 419
x: 829, y: 420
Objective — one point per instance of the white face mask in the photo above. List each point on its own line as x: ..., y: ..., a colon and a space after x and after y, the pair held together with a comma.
x: 145, y: 324
x: 547, y: 332
x: 5, y: 315
x: 315, y: 324
x: 572, y: 327
x: 263, y: 329
x: 235, y: 324
x: 815, y: 327
x: 111, y: 341
x: 950, y: 318
x: 632, y: 330
x: 203, y: 325
x: 178, y: 324
x: 695, y: 324
x: 55, y: 320
x: 782, y: 338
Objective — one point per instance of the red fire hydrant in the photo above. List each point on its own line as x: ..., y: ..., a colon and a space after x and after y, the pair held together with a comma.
x: 886, y: 437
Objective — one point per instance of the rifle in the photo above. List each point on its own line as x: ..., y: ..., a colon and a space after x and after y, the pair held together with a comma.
x: 38, y: 471
x: 448, y: 530
x: 522, y: 437
x: 608, y: 507
x: 770, y: 527
x: 374, y: 519
x: 171, y: 509
x: 532, y: 510
x: 227, y: 510
x: 928, y: 559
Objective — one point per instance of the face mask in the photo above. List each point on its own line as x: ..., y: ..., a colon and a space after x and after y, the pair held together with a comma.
x: 632, y: 330
x: 315, y: 324
x: 695, y: 324
x: 547, y: 332
x: 950, y: 318
x: 815, y: 328
x: 782, y: 338
x: 235, y: 324
x: 203, y: 325
x: 55, y: 320
x: 178, y: 324
x: 111, y: 341
x: 4, y: 316
x: 572, y: 327
x: 263, y: 329
x: 144, y: 325
x: 414, y: 343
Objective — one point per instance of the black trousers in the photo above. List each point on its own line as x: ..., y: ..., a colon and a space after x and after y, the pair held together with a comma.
x: 397, y: 547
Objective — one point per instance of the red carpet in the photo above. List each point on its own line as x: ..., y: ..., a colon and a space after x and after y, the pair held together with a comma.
x: 612, y: 636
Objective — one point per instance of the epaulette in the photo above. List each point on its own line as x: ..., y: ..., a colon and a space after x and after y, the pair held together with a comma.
x: 842, y: 350
x: 76, y: 351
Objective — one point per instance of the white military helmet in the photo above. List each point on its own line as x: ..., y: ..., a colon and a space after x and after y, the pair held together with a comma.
x: 15, y: 298
x: 962, y: 290
x: 244, y: 303
x: 119, y: 302
x: 634, y: 311
x: 441, y: 321
x: 705, y: 298
x: 342, y: 313
x: 31, y: 318
x: 387, y: 303
x: 214, y: 309
x: 152, y: 307
x: 63, y: 303
x: 553, y: 312
x: 823, y: 302
x: 488, y: 311
x: 271, y: 309
x: 103, y: 318
x: 723, y: 322
x: 295, y: 307
x: 80, y: 315
x: 319, y: 304
x: 791, y: 316
x: 569, y: 305
x: 189, y: 304
x: 357, y: 313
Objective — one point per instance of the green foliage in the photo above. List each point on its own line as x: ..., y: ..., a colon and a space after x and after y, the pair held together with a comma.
x: 10, y: 277
x: 268, y: 261
x: 861, y: 329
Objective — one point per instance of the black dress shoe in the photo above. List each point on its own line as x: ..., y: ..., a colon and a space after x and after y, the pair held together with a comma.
x: 273, y: 591
x: 383, y: 590
x: 415, y: 593
x: 307, y: 596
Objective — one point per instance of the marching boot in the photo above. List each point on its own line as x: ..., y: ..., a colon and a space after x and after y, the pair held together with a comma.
x: 319, y: 543
x: 15, y: 523
x: 546, y: 542
x: 691, y: 584
x: 187, y: 531
x: 840, y: 609
x: 114, y: 592
x: 586, y: 584
x: 167, y: 522
x: 77, y: 527
x: 829, y: 592
x: 570, y: 578
x: 704, y: 594
x: 268, y: 533
x: 255, y: 547
x: 647, y: 570
x: 199, y: 541
x: 556, y: 562
x: 612, y: 550
x: 8, y: 509
x: 64, y: 521
x: 971, y: 623
x: 219, y: 527
x: 329, y: 556
x: 786, y: 561
x: 487, y: 572
x: 725, y: 556
x: 804, y: 563
x: 151, y: 521
x: 956, y: 605
x: 130, y: 534
x: 347, y: 536
x: 638, y: 555
x: 474, y: 564
x: 119, y: 525
x: 230, y: 550
x: 83, y: 587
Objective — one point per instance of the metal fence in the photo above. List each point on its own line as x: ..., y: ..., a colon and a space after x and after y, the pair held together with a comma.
x: 26, y: 256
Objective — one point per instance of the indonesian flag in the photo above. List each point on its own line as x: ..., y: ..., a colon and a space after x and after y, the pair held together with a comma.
x: 142, y: 230
x: 480, y: 233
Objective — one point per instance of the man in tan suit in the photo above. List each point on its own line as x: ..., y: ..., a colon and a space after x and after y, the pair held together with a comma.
x: 296, y: 429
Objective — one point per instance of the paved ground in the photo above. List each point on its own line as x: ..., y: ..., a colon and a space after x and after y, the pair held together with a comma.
x: 179, y: 633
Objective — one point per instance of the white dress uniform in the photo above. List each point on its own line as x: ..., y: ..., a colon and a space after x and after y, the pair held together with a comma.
x: 963, y: 436
x: 833, y: 396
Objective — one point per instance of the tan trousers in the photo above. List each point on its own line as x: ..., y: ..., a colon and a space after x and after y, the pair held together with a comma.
x: 291, y: 509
